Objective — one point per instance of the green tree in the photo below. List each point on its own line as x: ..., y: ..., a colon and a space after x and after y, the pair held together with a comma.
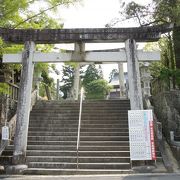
x: 92, y: 73
x: 97, y: 89
x: 95, y: 86
x: 19, y: 14
x: 16, y: 13
x: 67, y: 80
x: 160, y: 12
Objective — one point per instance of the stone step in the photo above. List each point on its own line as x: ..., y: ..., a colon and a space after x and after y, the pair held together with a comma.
x: 6, y: 159
x: 90, y: 105
x: 6, y: 156
x: 76, y: 115
x: 84, y: 109
x: 57, y: 129
x: 75, y: 123
x: 85, y: 102
x: 104, y: 137
x: 52, y: 126
x: 85, y: 145
x: 75, y: 118
x: 89, y: 102
x: 46, y: 133
x: 123, y: 112
x: 75, y: 171
x: 82, y: 143
x: 98, y: 121
x: 80, y: 165
x: 73, y: 159
x: 74, y: 138
x: 81, y: 148
x: 74, y: 153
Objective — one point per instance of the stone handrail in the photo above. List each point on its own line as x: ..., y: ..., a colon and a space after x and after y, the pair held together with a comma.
x: 159, y: 136
x: 12, y: 123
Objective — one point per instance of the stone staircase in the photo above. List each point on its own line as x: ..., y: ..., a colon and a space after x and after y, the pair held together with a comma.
x: 52, y: 138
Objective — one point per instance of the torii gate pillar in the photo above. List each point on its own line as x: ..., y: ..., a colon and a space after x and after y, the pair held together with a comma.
x: 121, y: 80
x: 79, y: 49
x: 135, y: 91
x: 23, y: 109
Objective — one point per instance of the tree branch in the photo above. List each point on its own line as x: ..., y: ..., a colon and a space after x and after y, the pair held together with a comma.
x: 43, y: 11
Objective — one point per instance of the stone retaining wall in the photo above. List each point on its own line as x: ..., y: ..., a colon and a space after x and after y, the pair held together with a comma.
x: 167, y: 109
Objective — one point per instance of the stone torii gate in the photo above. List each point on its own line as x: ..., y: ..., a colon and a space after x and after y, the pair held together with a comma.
x: 78, y: 36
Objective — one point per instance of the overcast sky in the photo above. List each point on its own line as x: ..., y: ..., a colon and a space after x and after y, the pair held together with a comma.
x: 94, y: 14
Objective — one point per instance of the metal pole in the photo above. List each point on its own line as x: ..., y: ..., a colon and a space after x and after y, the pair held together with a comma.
x: 79, y: 126
x: 57, y: 92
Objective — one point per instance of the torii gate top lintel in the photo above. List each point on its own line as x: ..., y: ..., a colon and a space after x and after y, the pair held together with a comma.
x: 89, y: 35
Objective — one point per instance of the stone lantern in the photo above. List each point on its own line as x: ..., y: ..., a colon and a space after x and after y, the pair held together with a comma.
x: 36, y: 81
x: 145, y: 78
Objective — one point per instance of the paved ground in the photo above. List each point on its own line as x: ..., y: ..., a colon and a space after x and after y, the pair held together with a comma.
x: 110, y: 177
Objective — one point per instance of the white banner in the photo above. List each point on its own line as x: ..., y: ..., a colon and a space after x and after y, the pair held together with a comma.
x: 141, y: 135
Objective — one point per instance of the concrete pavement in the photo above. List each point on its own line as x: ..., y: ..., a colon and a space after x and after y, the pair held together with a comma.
x: 98, y: 177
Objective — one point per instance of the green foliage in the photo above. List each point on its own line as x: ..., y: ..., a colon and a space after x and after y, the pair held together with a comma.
x: 167, y: 74
x: 4, y: 88
x: 95, y: 86
x: 97, y: 89
x: 91, y: 74
x: 167, y: 11
x: 20, y: 14
x: 136, y: 11
x: 10, y: 11
x: 176, y: 74
x: 67, y: 79
x: 16, y: 13
x: 152, y: 46
x: 155, y: 69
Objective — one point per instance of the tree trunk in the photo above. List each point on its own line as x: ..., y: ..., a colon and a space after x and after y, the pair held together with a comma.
x: 48, y: 93
x: 176, y: 40
x: 172, y: 59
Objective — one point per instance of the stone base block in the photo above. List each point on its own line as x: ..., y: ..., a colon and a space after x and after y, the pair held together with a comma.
x: 16, y: 169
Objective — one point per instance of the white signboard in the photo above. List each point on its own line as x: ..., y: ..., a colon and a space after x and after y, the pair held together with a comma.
x: 141, y: 135
x: 5, y: 133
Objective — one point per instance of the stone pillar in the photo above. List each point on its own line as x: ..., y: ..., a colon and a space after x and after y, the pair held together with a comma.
x: 135, y: 92
x: 121, y: 79
x: 76, y: 82
x: 78, y: 55
x: 23, y: 109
